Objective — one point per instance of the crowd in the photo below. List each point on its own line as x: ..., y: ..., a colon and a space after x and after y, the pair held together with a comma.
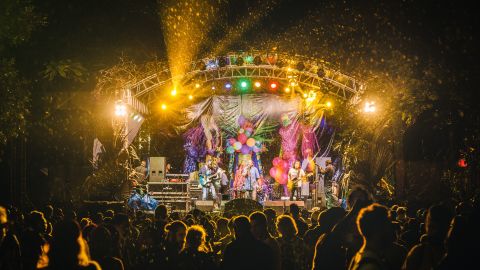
x: 366, y: 236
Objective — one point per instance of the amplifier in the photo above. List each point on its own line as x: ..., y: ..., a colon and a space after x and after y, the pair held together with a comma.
x: 168, y: 187
x: 176, y: 205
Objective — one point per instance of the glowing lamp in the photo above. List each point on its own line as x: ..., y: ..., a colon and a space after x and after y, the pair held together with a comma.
x: 328, y: 104
x: 197, y: 85
x: 174, y: 92
x: 190, y: 97
x: 163, y: 106
x: 287, y: 90
x: 273, y: 85
x: 228, y: 85
x: 257, y: 84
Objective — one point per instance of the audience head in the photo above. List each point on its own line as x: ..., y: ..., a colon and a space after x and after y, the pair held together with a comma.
x: 286, y: 226
x: 101, y: 243
x: 222, y: 226
x: 176, y: 232
x: 358, y: 198
x: 294, y: 210
x: 37, y: 222
x: 329, y: 218
x: 196, y: 239
x: 438, y: 221
x: 121, y: 222
x: 161, y: 212
x: 241, y: 225
x: 67, y: 247
x: 48, y: 211
x: 374, y: 224
x: 271, y: 214
x: 258, y: 222
x: 401, y: 213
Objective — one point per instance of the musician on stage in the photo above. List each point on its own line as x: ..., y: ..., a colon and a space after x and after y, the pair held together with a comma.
x: 328, y: 173
x: 308, y: 166
x: 295, y: 179
x: 250, y: 185
x: 239, y: 180
x: 207, y: 176
x: 139, y: 174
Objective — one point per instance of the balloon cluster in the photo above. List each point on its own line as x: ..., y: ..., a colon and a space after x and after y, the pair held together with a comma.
x: 244, y: 143
x: 279, y: 171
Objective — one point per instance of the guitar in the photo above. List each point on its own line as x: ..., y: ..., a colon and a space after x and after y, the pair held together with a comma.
x: 206, y: 180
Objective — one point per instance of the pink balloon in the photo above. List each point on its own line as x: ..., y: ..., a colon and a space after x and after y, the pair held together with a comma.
x: 242, y: 138
x: 281, y: 163
x: 284, y: 178
x: 285, y: 165
x: 273, y: 172
x: 232, y: 141
x: 276, y: 161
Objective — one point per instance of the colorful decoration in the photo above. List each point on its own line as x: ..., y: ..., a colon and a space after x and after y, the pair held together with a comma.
x: 245, y: 142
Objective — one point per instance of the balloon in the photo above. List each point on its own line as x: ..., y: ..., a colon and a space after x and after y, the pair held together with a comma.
x: 230, y: 150
x: 276, y: 161
x: 232, y: 141
x: 285, y: 165
x: 248, y: 133
x: 249, y: 129
x: 273, y: 172
x: 256, y: 149
x: 237, y: 146
x: 284, y: 178
x: 258, y: 143
x: 241, y: 120
x: 242, y: 138
x: 281, y: 163
x: 251, y: 142
x: 245, y: 149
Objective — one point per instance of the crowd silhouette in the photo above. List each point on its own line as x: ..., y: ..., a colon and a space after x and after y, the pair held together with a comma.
x: 367, y: 235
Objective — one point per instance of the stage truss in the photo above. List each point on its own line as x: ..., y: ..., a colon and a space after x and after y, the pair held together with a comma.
x: 306, y: 73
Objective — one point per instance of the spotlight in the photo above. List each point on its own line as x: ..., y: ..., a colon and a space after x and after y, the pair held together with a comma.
x: 163, y: 106
x: 120, y: 109
x: 328, y: 104
x: 228, y: 85
x: 300, y: 66
x: 190, y: 97
x: 293, y: 83
x: 240, y: 61
x: 321, y: 72
x: 273, y: 85
x: 197, y: 85
x: 243, y: 84
x: 305, y: 95
x: 174, y: 92
x: 287, y: 89
x: 258, y: 84
x: 222, y: 61
x: 213, y: 88
x: 257, y: 60
x: 201, y: 65
x: 370, y: 107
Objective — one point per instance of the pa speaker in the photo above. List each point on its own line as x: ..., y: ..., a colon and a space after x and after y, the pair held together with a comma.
x: 241, y: 207
x: 156, y: 169
x: 206, y: 206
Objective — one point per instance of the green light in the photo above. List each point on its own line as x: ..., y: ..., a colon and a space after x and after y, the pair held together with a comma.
x: 249, y: 59
x: 244, y: 84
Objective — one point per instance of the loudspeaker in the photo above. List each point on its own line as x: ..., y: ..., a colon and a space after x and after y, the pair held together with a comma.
x: 156, y: 169
x: 241, y: 207
x: 206, y: 206
x: 282, y: 206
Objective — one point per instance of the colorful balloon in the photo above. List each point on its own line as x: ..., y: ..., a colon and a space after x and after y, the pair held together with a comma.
x: 242, y: 138
x: 241, y: 120
x: 240, y: 131
x: 273, y: 172
x: 245, y: 149
x: 256, y: 149
x: 251, y: 142
x: 237, y: 146
x: 231, y: 141
x: 276, y: 161
x: 248, y: 133
x: 230, y: 150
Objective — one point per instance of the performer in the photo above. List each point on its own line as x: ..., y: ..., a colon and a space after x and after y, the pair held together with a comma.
x: 251, y: 184
x: 239, y: 180
x: 139, y: 174
x: 329, y: 183
x: 308, y: 166
x: 295, y: 179
x: 207, y: 179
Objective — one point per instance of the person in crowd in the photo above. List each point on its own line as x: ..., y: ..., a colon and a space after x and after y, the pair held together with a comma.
x: 314, y: 217
x: 222, y: 228
x: 101, y: 249
x: 258, y: 222
x: 411, y: 233
x: 431, y: 249
x: 301, y: 224
x: 461, y: 237
x: 375, y: 228
x: 246, y: 252
x: 221, y: 245
x: 271, y: 215
x: 195, y: 254
x: 402, y: 217
x: 33, y: 239
x: 167, y: 253
x: 68, y: 249
x: 9, y: 245
x: 292, y: 247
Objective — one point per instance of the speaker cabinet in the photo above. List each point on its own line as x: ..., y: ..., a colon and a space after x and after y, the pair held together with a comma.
x: 156, y: 169
x: 282, y: 206
x: 206, y: 206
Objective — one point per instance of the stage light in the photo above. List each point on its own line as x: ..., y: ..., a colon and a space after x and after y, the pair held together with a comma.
x: 240, y: 61
x: 293, y: 83
x: 222, y: 61
x: 273, y: 85
x: 300, y: 66
x: 243, y: 84
x: 328, y: 104
x: 190, y: 97
x: 174, y: 92
x: 257, y: 60
x: 369, y: 107
x: 287, y: 89
x: 163, y: 106
x: 228, y: 85
x: 305, y: 95
x: 257, y: 84
x: 197, y: 85
x: 120, y: 109
x: 213, y: 88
